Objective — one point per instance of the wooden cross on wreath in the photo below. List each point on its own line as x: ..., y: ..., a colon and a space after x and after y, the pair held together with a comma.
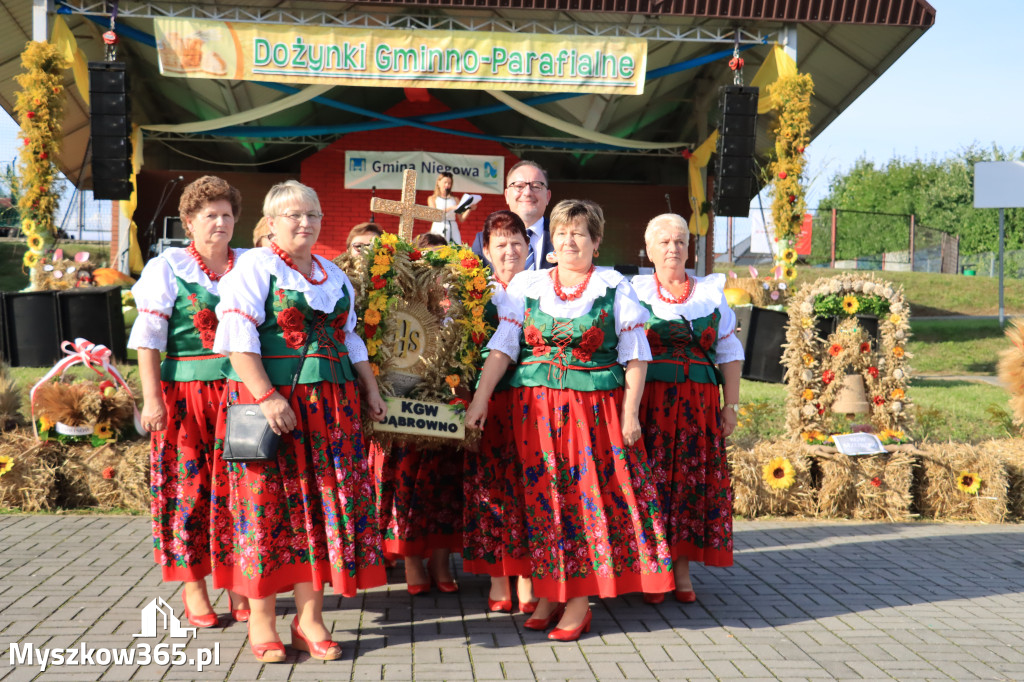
x: 407, y: 210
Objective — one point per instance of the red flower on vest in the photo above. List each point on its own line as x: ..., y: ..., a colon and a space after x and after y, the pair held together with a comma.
x: 707, y: 338
x: 657, y: 347
x: 206, y: 337
x: 291, y: 320
x: 295, y: 339
x: 533, y: 336
x: 592, y: 339
x: 205, y: 320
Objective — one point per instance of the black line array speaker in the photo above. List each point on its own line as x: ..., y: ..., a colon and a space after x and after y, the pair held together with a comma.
x: 34, y: 323
x: 110, y: 114
x: 93, y: 313
x: 33, y: 328
x: 735, y: 183
x: 763, y: 336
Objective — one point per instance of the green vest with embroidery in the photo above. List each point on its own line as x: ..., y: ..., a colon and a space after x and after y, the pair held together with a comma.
x: 681, y: 350
x: 289, y: 318
x: 578, y: 353
x: 191, y: 328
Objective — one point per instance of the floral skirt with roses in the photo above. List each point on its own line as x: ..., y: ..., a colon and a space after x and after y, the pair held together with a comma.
x: 306, y: 517
x: 686, y: 452
x: 593, y: 518
x: 419, y: 498
x: 494, y: 536
x: 180, y: 461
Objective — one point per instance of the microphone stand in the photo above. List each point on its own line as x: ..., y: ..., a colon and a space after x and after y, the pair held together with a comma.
x: 373, y: 193
x: 164, y: 196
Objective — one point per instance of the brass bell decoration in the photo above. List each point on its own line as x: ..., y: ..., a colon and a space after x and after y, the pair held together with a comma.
x: 852, y: 398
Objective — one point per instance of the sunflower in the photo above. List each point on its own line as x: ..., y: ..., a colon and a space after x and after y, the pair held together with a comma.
x: 29, y: 226
x: 104, y: 430
x: 45, y: 423
x: 813, y: 436
x: 968, y: 482
x: 789, y: 273
x: 893, y: 435
x: 779, y: 473
x: 36, y: 242
x: 30, y: 260
x: 6, y: 464
x: 789, y: 255
x: 850, y: 305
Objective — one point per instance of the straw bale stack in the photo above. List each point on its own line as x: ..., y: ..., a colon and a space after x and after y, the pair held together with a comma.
x: 752, y: 494
x: 944, y: 465
x: 1010, y: 451
x: 31, y: 483
x: 875, y: 487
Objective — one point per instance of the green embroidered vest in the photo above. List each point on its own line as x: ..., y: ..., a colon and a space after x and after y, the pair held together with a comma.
x: 283, y: 334
x: 578, y: 353
x: 191, y: 328
x: 682, y: 350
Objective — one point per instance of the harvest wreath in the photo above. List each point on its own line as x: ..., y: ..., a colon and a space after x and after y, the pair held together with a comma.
x: 816, y: 364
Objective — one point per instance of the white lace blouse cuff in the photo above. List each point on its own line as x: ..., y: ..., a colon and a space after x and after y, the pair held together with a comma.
x: 356, y: 348
x: 149, y: 331
x: 506, y: 339
x: 728, y: 350
x: 633, y: 346
x: 236, y: 334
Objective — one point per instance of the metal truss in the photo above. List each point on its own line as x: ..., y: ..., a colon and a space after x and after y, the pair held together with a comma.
x: 652, y: 29
x: 519, y: 149
x: 301, y: 140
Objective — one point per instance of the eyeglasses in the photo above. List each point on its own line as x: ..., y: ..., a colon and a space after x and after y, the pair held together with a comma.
x: 521, y: 186
x: 297, y: 217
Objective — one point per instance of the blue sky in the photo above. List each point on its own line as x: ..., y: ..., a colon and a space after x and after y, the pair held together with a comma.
x: 958, y: 85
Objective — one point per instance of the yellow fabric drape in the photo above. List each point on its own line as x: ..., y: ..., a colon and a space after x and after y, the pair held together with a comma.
x: 64, y: 40
x: 777, y: 64
x: 127, y: 208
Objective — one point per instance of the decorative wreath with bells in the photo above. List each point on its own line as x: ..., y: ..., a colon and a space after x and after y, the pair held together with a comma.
x: 816, y: 366
x: 451, y: 283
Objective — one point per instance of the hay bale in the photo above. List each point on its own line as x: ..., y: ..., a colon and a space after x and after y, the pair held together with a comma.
x: 752, y: 496
x: 115, y: 475
x: 875, y: 487
x: 1010, y: 451
x: 133, y: 475
x: 937, y: 492
x: 31, y: 484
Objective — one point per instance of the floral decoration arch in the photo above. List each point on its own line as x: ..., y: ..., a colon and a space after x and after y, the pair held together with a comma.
x: 817, y: 360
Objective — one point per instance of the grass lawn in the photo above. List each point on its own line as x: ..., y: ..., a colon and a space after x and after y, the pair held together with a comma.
x: 956, y: 346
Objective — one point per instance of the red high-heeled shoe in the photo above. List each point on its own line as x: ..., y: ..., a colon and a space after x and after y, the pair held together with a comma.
x: 572, y: 635
x: 318, y: 650
x: 686, y: 596
x: 448, y: 586
x: 269, y: 652
x: 208, y: 620
x: 240, y: 615
x: 544, y: 623
x: 654, y: 598
x: 528, y: 607
x: 499, y: 605
x: 421, y: 588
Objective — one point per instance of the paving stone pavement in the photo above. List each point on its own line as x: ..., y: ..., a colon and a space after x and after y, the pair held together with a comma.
x: 806, y: 600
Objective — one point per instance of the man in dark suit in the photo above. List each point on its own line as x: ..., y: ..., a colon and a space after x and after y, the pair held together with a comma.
x: 527, y: 193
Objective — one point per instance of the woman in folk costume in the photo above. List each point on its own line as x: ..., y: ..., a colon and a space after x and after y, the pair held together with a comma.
x: 176, y: 296
x: 494, y: 531
x: 305, y: 519
x: 694, y: 349
x: 577, y: 335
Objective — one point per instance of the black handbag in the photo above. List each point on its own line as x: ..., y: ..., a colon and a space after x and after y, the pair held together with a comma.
x: 248, y: 436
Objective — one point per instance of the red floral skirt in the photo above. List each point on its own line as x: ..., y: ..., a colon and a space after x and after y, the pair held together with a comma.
x: 306, y: 517
x: 686, y: 453
x: 494, y: 534
x: 180, y: 461
x: 594, y: 523
x: 419, y: 500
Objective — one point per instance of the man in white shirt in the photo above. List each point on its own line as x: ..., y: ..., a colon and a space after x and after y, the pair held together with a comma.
x: 527, y: 194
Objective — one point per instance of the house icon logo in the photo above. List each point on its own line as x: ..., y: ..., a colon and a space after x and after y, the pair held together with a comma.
x: 158, y: 616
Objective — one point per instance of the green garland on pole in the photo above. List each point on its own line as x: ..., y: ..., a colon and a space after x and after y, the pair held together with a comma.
x: 39, y: 108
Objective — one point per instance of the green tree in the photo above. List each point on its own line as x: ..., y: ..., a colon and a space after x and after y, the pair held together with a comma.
x: 938, y: 192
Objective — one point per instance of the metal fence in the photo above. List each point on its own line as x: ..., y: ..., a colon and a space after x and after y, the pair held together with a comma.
x: 904, y: 245
x: 987, y: 264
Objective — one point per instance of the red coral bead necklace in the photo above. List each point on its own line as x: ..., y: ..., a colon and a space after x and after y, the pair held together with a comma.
x: 214, y: 277
x: 579, y: 292
x: 314, y: 263
x: 669, y: 298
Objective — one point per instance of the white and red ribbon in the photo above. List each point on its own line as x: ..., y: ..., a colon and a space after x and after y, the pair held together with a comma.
x: 94, y: 356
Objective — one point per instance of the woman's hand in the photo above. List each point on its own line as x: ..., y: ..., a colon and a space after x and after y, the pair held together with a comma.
x: 154, y: 415
x: 630, y: 429
x: 729, y: 420
x: 375, y: 406
x: 476, y: 413
x: 279, y: 414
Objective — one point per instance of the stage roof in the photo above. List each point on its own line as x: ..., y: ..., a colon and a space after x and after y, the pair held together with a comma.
x: 844, y: 44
